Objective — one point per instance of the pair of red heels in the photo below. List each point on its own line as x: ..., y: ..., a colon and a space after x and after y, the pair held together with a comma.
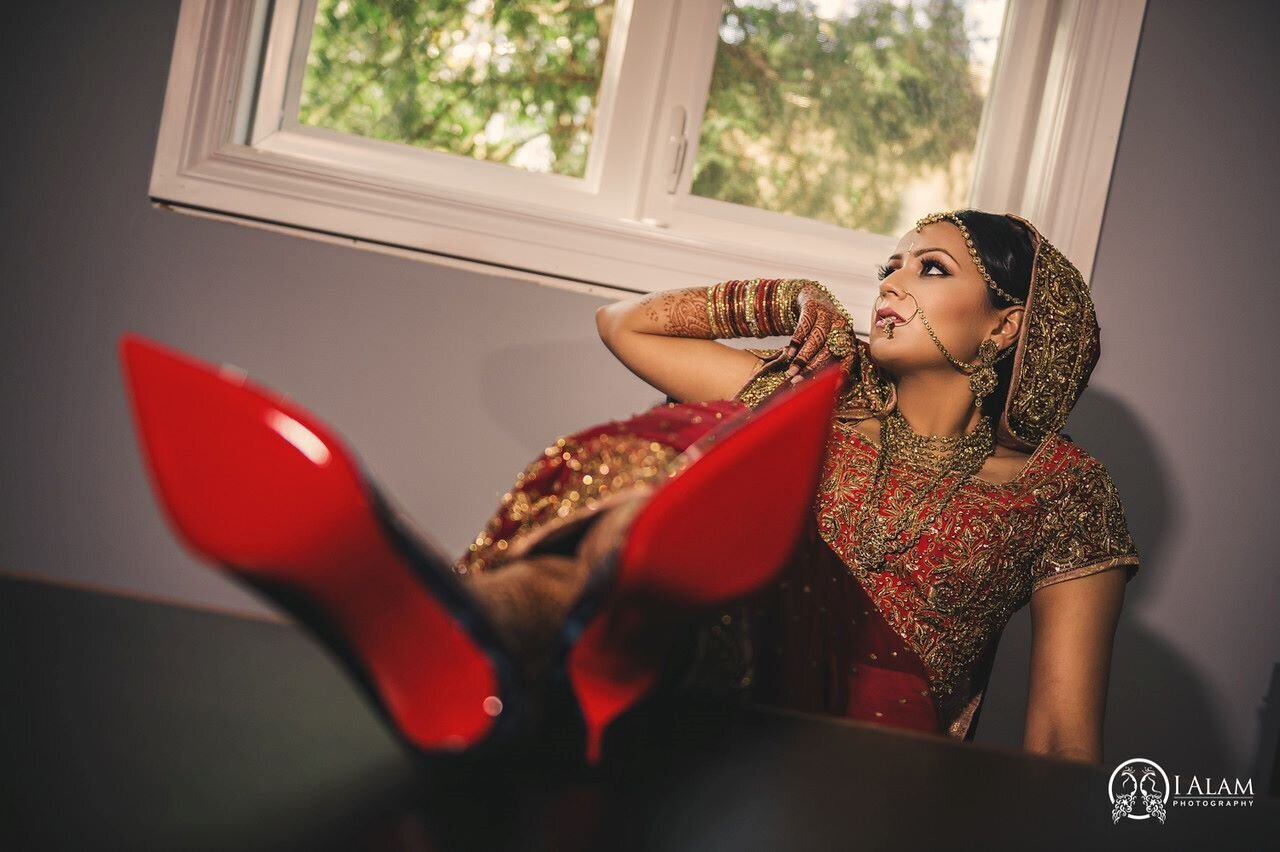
x: 267, y: 492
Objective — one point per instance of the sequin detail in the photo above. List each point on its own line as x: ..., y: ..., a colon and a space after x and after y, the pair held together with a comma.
x: 868, y: 394
x: 574, y: 475
x: 951, y: 595
x: 584, y: 472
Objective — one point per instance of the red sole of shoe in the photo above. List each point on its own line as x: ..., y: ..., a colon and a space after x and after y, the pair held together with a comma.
x: 717, y: 530
x: 266, y: 492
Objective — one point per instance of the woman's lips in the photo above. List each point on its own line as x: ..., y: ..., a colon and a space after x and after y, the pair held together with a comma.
x: 885, y: 316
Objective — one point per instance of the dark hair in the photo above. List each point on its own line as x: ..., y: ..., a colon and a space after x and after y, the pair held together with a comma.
x: 1007, y: 250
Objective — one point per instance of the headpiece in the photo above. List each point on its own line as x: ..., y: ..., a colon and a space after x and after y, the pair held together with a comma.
x: 1057, y: 348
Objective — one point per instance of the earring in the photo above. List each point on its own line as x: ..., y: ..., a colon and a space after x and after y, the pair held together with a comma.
x: 982, y: 381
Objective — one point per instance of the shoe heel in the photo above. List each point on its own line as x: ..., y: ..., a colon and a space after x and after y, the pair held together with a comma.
x: 717, y: 530
x: 272, y: 497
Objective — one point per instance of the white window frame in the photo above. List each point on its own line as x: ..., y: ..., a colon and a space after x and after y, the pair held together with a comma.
x: 229, y: 143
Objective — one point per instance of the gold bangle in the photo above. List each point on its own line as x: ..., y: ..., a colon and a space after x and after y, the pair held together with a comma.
x: 748, y: 302
x: 787, y: 313
x: 711, y: 312
x: 779, y: 308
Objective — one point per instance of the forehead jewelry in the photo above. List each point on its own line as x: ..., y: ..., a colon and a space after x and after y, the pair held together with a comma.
x: 973, y: 250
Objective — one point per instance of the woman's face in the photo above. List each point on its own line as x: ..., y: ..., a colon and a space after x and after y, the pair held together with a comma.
x: 932, y: 269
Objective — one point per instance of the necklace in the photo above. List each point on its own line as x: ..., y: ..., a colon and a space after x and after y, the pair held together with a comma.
x: 943, y: 455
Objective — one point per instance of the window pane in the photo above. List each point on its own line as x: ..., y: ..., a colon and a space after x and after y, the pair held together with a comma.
x: 508, y: 82
x: 863, y: 114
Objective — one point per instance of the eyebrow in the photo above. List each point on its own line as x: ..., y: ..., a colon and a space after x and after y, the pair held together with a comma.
x: 919, y: 252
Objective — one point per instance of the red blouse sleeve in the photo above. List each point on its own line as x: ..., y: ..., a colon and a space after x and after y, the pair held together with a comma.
x: 1087, y: 531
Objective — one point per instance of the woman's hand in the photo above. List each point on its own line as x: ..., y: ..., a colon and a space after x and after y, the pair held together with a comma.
x: 808, y: 350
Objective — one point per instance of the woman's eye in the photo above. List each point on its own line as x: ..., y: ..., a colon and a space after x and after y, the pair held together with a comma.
x: 928, y: 266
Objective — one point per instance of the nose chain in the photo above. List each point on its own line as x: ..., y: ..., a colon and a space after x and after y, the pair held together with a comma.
x: 889, y: 324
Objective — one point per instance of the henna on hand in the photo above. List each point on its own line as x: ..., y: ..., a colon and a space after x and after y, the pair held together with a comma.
x: 679, y: 313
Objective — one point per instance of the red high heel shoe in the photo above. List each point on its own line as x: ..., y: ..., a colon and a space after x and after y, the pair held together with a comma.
x: 269, y: 494
x: 718, y: 529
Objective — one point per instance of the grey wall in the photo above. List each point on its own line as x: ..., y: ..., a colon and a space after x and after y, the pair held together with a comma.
x: 447, y: 382
x: 1180, y: 407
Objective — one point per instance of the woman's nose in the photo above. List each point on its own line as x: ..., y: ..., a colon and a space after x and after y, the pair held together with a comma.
x: 889, y: 285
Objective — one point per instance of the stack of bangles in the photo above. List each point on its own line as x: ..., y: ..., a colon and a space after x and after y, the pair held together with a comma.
x: 764, y: 307
x: 760, y: 307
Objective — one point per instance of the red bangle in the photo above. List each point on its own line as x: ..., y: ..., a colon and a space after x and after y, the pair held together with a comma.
x: 736, y: 319
x: 764, y: 295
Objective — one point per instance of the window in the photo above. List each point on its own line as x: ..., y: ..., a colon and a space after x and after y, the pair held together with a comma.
x: 647, y: 144
x: 517, y: 85
x: 860, y: 115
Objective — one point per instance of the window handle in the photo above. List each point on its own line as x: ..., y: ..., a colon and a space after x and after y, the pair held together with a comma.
x: 677, y: 147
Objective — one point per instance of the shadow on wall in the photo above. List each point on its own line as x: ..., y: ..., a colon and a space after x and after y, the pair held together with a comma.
x: 1158, y: 706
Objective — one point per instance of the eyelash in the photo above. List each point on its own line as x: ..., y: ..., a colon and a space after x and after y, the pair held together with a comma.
x: 883, y: 272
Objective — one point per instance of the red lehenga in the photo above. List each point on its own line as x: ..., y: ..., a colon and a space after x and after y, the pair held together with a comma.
x: 911, y: 646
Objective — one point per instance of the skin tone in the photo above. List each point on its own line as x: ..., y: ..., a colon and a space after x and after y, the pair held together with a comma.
x: 662, y: 338
x: 932, y: 269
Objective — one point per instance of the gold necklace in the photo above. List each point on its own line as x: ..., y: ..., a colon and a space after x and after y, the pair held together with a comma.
x: 963, y: 455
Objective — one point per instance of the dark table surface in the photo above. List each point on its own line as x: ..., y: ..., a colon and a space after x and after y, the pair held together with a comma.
x: 131, y: 724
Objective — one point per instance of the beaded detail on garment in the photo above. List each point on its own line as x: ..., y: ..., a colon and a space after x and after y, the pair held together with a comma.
x: 578, y: 473
x: 868, y: 394
x: 950, y: 596
x: 1057, y: 352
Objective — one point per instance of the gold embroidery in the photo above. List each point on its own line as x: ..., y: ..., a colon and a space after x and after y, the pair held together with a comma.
x: 1057, y: 348
x: 952, y: 594
x: 579, y: 475
x: 1089, y: 532
x: 869, y: 393
x: 1058, y: 352
x: 980, y: 561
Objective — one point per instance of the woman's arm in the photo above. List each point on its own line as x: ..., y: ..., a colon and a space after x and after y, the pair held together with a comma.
x: 1073, y: 625
x: 665, y: 339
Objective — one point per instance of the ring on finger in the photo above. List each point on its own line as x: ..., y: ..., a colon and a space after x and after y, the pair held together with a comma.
x: 838, y: 342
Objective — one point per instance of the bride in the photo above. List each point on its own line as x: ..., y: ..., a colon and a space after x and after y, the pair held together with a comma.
x: 843, y: 526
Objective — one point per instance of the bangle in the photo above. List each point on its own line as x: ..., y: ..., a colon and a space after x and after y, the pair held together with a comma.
x: 764, y: 298
x: 749, y: 307
x: 760, y: 307
x: 716, y: 333
x: 785, y: 307
x: 726, y: 308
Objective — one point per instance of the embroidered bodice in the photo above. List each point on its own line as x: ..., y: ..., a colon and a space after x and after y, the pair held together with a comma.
x: 990, y: 549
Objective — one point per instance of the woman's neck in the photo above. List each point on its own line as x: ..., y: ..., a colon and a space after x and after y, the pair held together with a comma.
x: 936, y: 403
